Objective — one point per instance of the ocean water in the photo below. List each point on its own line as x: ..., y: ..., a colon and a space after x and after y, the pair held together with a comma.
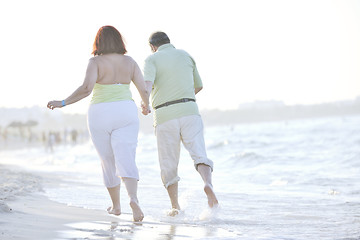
x: 296, y: 179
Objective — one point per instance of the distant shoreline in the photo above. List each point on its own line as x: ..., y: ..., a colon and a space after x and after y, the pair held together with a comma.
x: 260, y: 111
x: 270, y: 113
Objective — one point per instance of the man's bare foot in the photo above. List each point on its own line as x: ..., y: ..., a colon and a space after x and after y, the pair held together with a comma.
x: 212, y: 200
x: 114, y: 211
x: 138, y: 215
x: 173, y: 212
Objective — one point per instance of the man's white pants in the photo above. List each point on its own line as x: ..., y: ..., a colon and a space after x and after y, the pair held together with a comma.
x: 189, y: 131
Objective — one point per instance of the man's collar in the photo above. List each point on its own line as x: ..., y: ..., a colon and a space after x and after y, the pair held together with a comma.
x: 167, y: 45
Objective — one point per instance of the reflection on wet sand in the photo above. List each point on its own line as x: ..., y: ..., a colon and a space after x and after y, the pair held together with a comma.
x: 126, y: 229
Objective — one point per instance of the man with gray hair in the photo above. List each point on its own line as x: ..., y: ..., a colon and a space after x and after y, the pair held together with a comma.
x: 173, y: 79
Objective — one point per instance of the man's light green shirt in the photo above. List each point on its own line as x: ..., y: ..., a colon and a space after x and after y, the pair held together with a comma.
x: 174, y: 76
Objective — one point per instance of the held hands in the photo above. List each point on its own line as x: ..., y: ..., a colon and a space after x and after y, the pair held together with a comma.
x: 145, y: 109
x: 55, y: 104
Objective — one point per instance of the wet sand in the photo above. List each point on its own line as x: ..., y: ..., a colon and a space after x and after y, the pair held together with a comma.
x: 26, y: 213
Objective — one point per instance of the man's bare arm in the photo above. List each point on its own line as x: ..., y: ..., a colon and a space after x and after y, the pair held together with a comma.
x: 198, y: 89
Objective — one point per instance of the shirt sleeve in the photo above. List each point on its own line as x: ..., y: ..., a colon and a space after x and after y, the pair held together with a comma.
x: 197, y: 79
x: 149, y: 70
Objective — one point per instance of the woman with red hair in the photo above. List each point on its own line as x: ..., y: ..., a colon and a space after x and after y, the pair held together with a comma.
x: 112, y: 116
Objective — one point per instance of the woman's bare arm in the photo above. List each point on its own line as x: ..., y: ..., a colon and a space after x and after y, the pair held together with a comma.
x: 81, y: 92
x: 139, y: 82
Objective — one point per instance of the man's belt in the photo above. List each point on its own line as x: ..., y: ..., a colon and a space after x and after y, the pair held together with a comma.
x: 183, y: 100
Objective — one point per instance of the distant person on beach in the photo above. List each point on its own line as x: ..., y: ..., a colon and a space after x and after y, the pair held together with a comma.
x: 173, y: 79
x: 112, y: 116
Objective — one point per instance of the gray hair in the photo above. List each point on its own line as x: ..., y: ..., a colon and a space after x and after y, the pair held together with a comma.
x: 158, y: 38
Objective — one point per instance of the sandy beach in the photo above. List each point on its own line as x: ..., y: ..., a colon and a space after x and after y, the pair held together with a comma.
x: 286, y: 183
x: 36, y: 217
x: 26, y: 213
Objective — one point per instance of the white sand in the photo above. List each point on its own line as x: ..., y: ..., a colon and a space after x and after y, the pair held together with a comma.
x: 36, y: 217
x: 26, y: 213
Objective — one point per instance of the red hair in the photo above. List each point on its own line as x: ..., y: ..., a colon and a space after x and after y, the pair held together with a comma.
x: 108, y: 40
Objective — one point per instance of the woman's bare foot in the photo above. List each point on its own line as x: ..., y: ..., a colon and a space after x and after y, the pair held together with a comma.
x: 138, y: 215
x: 212, y: 200
x: 114, y: 211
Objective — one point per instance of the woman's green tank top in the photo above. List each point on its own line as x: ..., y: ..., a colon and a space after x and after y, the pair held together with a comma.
x: 110, y: 93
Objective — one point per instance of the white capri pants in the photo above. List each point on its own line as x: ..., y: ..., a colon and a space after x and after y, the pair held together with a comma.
x: 189, y: 131
x: 114, y: 128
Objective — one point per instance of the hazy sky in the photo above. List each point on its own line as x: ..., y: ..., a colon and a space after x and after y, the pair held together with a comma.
x: 299, y: 52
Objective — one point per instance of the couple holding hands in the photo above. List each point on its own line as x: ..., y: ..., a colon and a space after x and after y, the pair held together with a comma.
x: 172, y: 79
